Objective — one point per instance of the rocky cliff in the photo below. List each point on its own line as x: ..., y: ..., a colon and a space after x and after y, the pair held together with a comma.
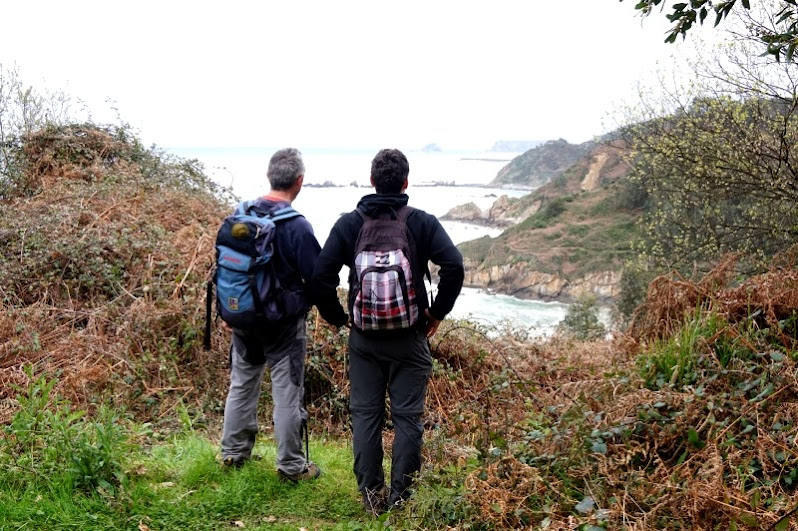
x: 541, y: 164
x: 565, y: 239
x: 504, y: 212
x: 521, y: 281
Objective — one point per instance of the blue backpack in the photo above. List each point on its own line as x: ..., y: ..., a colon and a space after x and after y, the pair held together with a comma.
x: 248, y: 291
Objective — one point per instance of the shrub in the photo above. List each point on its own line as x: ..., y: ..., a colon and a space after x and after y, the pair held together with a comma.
x: 633, y: 285
x: 582, y: 320
x: 548, y: 212
x: 47, y: 440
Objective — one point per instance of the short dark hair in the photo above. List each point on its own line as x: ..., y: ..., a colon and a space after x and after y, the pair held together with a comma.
x: 389, y: 169
x: 285, y: 167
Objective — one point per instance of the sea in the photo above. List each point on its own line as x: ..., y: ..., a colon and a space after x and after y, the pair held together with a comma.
x: 336, y: 179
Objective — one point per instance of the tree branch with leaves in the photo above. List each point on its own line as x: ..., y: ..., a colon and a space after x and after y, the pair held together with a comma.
x: 719, y: 162
x: 781, y: 40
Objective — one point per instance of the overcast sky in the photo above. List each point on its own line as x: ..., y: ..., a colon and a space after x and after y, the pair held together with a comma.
x: 461, y: 74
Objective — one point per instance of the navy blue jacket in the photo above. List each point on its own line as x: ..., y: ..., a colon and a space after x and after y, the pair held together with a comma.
x: 432, y: 244
x: 295, y: 249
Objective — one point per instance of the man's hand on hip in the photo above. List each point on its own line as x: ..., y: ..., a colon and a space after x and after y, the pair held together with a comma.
x: 432, y: 324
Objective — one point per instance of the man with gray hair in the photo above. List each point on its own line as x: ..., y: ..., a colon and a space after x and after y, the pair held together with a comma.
x: 279, y: 345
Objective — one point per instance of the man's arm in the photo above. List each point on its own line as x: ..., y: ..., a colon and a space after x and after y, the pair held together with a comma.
x: 306, y: 250
x: 446, y: 255
x: 325, y: 279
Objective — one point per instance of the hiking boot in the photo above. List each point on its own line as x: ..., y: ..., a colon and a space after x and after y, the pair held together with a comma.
x: 232, y: 462
x: 375, y: 501
x: 312, y: 471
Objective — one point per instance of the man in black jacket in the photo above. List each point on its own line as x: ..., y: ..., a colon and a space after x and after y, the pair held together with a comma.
x: 396, y: 361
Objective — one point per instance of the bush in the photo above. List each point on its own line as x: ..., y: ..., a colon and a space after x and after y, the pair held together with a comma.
x: 47, y: 440
x: 24, y: 109
x: 633, y: 285
x: 109, y: 246
x: 582, y: 320
x: 547, y: 213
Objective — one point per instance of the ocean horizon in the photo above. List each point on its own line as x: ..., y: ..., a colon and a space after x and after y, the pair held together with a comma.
x: 243, y: 170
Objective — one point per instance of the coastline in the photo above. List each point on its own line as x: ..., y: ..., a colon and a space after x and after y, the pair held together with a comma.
x: 429, y: 184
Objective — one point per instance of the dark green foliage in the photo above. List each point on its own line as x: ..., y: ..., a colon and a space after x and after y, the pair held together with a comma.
x: 705, y: 343
x: 547, y: 213
x: 577, y: 230
x: 542, y: 163
x: 11, y: 167
x: 582, y: 320
x: 560, y: 182
x: 624, y: 194
x: 780, y: 38
x: 441, y: 501
x: 48, y: 257
x: 46, y: 439
x: 477, y: 250
x: 324, y: 394
x: 633, y: 285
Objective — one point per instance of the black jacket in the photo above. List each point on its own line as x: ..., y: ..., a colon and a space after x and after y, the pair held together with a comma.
x: 295, y: 250
x: 432, y: 244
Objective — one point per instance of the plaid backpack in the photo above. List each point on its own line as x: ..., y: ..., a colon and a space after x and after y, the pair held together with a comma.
x: 384, y: 274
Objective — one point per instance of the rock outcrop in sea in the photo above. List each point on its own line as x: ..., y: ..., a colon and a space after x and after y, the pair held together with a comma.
x: 520, y: 281
x: 504, y: 212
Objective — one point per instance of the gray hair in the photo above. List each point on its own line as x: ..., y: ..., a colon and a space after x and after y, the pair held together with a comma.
x: 285, y: 167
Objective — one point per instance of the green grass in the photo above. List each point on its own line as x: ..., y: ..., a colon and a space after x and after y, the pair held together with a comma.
x: 61, y: 469
x: 580, y: 238
x: 673, y: 361
x: 180, y: 484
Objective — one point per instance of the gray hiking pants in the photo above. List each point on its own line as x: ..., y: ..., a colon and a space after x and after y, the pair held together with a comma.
x: 400, y: 365
x: 284, y: 353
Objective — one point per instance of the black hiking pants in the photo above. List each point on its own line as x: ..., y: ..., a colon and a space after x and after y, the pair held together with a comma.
x: 400, y: 365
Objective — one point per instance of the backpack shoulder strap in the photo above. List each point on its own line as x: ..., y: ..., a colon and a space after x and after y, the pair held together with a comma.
x: 284, y: 213
x: 243, y: 207
x: 404, y: 211
x: 258, y: 209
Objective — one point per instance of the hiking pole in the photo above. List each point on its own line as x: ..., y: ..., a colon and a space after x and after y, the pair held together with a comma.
x: 307, y: 439
x: 208, y: 305
x: 305, y: 420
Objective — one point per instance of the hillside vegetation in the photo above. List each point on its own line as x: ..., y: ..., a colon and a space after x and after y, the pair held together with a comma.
x: 540, y: 164
x: 110, y: 408
x: 582, y: 221
x: 106, y: 247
